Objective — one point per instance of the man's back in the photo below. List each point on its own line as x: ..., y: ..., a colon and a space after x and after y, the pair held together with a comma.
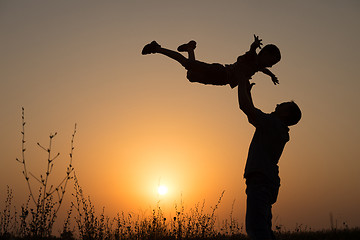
x: 266, y: 147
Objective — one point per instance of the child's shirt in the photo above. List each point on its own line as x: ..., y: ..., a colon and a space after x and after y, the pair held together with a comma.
x: 247, y: 64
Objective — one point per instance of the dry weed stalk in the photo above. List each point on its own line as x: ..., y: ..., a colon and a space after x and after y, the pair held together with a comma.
x: 46, y: 206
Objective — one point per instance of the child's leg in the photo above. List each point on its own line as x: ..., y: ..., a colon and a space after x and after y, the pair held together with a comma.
x: 189, y: 48
x: 205, y: 73
x: 191, y: 54
x: 154, y: 47
x: 174, y: 55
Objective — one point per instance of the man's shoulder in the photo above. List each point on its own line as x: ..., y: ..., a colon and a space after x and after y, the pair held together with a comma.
x: 258, y: 118
x: 266, y: 120
x: 262, y: 114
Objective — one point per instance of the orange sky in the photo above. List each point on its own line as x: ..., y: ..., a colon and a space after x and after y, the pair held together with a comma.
x: 140, y: 121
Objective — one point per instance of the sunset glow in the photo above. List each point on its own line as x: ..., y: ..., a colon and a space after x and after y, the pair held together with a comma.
x: 146, y: 135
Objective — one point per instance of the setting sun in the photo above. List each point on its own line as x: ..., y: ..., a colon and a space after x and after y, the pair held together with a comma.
x: 162, y: 190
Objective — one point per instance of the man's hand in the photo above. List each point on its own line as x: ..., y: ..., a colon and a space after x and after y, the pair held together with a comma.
x: 249, y: 86
x: 275, y: 80
x: 257, y: 42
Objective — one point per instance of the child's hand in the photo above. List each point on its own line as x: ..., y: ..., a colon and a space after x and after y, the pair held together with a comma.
x: 275, y: 80
x: 257, y: 42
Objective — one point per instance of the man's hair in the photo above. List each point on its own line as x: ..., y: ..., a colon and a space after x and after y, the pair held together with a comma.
x: 272, y: 50
x: 294, y: 114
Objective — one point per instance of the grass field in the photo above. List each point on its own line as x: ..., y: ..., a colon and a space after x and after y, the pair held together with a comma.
x: 36, y: 218
x: 83, y: 222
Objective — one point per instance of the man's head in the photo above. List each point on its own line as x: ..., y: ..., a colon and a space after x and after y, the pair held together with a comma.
x: 288, y: 112
x: 269, y: 55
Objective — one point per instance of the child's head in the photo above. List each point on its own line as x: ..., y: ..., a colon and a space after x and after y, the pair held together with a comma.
x: 269, y: 55
x: 289, y: 112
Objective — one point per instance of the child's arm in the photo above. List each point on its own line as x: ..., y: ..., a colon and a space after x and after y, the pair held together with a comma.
x: 269, y: 73
x: 256, y: 44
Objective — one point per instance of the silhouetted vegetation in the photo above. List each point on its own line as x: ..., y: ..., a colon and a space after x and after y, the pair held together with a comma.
x: 83, y: 222
x: 38, y: 214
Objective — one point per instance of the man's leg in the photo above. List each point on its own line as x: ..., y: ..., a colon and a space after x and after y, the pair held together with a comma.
x: 258, y: 213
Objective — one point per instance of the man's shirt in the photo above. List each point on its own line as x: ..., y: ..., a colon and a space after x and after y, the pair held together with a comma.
x: 266, y: 147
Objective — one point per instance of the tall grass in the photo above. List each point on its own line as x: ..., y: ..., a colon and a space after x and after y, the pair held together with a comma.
x: 38, y: 214
x: 40, y: 211
x: 84, y: 222
x: 192, y: 224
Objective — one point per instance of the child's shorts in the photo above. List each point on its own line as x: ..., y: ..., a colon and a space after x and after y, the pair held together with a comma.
x: 206, y: 73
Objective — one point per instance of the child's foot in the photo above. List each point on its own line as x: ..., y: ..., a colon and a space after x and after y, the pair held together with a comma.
x: 190, y: 46
x: 150, y: 48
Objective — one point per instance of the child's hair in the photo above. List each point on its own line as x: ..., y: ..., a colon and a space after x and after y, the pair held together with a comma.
x: 271, y: 50
x: 294, y: 114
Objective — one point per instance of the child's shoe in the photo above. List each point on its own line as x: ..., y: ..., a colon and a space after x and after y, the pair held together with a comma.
x: 150, y: 48
x: 190, y: 46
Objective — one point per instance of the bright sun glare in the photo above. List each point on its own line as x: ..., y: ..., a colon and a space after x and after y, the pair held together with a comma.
x: 162, y: 190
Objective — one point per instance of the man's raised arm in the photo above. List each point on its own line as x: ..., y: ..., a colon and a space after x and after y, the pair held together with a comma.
x: 245, y: 100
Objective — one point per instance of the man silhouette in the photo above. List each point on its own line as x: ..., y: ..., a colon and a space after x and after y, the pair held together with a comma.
x: 261, y: 170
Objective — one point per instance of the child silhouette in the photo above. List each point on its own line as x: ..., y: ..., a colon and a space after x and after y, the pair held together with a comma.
x: 219, y: 74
